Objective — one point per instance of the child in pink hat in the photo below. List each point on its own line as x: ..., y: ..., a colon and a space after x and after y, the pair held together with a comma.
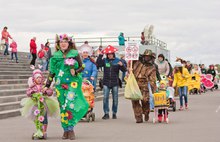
x: 38, y: 105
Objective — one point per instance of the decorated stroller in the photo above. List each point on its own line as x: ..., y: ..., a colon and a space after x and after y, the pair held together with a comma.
x: 170, y: 92
x: 207, y: 81
x: 161, y: 103
x: 88, y: 93
x: 195, y: 84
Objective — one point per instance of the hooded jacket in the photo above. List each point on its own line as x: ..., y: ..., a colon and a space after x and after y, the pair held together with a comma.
x: 33, y: 47
x: 13, y: 46
x: 121, y: 39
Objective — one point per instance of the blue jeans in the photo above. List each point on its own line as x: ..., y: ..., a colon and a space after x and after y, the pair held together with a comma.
x: 16, y: 56
x: 114, y: 98
x: 69, y: 128
x: 183, y: 93
x: 94, y: 82
x: 6, y: 49
x: 43, y: 63
x: 48, y: 61
x: 45, y: 119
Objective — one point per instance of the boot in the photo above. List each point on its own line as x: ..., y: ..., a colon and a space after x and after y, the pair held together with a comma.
x: 45, y: 131
x: 165, y: 118
x: 139, y: 121
x: 65, y: 135
x: 146, y: 117
x: 160, y: 118
x: 71, y: 135
x: 106, y: 116
x: 186, y: 106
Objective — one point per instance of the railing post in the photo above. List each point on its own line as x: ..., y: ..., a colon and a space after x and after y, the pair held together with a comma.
x: 101, y: 41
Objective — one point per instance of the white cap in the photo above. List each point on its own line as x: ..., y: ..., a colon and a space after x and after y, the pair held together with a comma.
x: 177, y: 64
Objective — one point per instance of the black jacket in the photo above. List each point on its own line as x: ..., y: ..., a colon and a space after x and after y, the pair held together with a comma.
x: 111, y: 70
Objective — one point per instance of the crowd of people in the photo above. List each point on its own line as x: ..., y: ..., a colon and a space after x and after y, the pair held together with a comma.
x: 69, y: 66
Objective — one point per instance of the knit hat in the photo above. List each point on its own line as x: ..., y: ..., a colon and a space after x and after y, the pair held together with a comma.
x: 109, y: 49
x: 85, y: 48
x: 177, y: 64
x: 36, y: 73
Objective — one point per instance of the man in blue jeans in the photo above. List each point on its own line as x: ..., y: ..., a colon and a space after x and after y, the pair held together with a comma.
x: 111, y: 65
x: 6, y: 36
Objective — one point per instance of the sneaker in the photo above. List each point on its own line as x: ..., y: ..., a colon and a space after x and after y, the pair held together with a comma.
x: 105, y: 117
x: 32, y: 67
x: 114, y: 116
x: 181, y: 108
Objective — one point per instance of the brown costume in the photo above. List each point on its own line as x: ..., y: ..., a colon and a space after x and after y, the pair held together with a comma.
x: 144, y: 72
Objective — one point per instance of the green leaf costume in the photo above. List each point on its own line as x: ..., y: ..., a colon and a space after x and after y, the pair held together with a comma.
x: 73, y: 105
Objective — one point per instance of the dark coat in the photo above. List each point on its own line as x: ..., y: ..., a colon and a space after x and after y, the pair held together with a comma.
x: 111, y: 71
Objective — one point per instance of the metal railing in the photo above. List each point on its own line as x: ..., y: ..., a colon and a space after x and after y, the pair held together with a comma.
x: 97, y: 41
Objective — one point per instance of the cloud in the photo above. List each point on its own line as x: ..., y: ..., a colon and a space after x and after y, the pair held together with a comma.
x: 190, y: 28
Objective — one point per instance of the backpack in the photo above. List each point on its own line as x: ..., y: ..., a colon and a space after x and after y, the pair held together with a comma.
x: 40, y: 54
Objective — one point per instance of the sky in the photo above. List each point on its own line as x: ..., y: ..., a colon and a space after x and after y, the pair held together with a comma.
x: 191, y: 28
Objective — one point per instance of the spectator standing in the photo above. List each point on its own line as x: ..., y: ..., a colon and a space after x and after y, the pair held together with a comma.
x: 33, y: 51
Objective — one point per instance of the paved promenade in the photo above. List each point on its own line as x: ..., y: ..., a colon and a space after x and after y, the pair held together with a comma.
x: 201, y: 123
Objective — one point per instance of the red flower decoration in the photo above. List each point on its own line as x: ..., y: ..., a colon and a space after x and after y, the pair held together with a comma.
x: 70, y: 115
x: 64, y: 86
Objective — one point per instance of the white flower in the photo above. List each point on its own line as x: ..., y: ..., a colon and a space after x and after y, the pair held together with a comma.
x: 61, y: 73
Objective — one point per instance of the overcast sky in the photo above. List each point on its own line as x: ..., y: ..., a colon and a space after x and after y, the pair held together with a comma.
x: 191, y: 28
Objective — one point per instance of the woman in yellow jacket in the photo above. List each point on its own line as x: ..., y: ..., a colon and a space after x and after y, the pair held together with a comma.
x: 181, y: 76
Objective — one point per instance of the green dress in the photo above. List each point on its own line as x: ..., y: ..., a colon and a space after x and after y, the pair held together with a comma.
x: 73, y: 105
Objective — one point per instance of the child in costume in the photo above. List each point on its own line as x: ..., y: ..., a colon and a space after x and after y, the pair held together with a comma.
x: 38, y: 105
x: 161, y: 112
x: 66, y: 67
x: 13, y: 47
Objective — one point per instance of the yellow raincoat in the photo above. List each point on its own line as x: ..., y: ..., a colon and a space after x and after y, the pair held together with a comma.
x: 181, y: 80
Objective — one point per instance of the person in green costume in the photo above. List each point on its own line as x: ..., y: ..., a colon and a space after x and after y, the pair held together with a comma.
x: 66, y: 67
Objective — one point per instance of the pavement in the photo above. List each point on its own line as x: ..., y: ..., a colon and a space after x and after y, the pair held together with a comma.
x: 200, y: 123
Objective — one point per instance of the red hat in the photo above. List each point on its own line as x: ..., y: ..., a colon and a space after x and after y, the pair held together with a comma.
x: 109, y: 49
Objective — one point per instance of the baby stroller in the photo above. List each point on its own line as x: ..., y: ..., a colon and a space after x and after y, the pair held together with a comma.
x: 88, y: 92
x: 171, y: 101
x: 195, y: 84
x: 161, y: 103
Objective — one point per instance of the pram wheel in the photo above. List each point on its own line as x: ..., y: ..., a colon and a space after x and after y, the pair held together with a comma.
x: 88, y: 117
x: 93, y: 116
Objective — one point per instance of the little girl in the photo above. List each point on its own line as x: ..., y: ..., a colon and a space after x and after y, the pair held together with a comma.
x: 13, y: 47
x: 38, y: 105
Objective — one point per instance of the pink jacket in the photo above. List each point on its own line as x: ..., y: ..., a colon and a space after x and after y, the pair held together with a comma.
x: 13, y: 46
x: 6, y: 35
x: 38, y: 89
